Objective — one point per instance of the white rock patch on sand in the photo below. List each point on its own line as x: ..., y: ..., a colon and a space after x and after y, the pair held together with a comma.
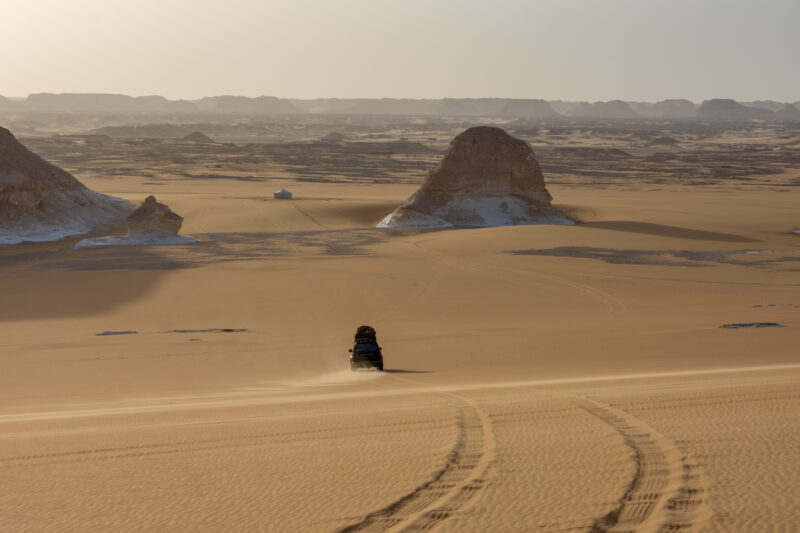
x: 135, y: 241
x: 475, y: 212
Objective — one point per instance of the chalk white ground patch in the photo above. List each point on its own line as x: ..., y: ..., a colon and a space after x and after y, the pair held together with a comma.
x: 474, y: 212
x: 135, y: 241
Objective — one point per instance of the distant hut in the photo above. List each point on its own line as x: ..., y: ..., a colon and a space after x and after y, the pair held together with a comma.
x: 282, y: 194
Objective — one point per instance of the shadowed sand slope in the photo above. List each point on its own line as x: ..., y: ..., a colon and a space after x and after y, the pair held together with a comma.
x: 661, y: 230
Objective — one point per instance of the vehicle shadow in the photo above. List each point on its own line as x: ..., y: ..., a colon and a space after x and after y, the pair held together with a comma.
x: 401, y: 371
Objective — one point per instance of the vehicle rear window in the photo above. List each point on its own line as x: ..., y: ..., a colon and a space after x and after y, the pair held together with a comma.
x: 364, y: 348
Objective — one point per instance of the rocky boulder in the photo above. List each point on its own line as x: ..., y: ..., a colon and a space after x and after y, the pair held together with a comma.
x: 153, y: 218
x: 151, y: 223
x: 486, y: 178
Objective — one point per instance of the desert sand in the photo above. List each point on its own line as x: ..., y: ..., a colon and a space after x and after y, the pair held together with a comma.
x: 539, y: 378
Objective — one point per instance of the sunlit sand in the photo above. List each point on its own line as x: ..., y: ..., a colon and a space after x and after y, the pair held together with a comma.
x: 547, y: 377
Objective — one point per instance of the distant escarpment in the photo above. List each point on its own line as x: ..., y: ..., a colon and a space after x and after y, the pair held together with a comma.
x: 722, y: 109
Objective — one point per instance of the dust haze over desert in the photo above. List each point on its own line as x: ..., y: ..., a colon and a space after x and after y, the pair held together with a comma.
x: 573, y: 226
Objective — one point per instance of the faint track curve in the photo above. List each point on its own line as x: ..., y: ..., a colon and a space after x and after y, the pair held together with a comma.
x: 667, y: 492
x: 308, y: 216
x: 451, y: 488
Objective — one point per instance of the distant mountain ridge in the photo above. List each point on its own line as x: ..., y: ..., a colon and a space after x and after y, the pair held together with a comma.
x: 504, y: 108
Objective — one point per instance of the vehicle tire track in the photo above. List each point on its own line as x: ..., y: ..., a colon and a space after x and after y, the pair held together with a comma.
x: 451, y: 488
x: 308, y: 216
x: 667, y: 492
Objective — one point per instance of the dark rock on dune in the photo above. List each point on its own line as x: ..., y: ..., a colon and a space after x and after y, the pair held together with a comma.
x: 41, y: 202
x: 486, y: 178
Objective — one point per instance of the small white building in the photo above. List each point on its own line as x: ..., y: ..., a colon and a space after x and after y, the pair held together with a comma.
x: 282, y: 194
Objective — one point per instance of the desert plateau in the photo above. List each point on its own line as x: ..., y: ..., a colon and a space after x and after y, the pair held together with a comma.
x: 538, y: 377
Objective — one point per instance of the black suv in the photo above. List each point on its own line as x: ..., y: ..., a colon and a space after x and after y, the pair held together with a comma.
x: 366, y: 352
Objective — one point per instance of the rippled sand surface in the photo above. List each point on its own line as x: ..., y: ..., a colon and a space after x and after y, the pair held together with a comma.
x: 544, y: 378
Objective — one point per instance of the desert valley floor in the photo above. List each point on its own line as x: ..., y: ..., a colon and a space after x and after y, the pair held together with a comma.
x: 538, y: 378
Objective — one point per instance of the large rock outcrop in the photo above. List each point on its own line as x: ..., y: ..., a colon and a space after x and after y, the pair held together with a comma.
x: 486, y: 178
x: 41, y: 202
x: 151, y: 223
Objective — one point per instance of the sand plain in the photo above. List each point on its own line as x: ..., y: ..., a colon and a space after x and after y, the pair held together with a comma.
x: 539, y: 378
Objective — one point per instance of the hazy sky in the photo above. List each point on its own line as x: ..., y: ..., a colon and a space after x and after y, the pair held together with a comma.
x: 559, y: 49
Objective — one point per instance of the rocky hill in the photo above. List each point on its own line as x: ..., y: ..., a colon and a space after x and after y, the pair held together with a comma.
x: 486, y: 178
x: 41, y: 202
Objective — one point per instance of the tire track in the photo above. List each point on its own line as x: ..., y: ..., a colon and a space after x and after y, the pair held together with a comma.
x: 451, y: 488
x: 308, y: 216
x: 667, y: 492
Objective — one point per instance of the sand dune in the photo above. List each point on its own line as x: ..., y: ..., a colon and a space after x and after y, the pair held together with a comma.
x: 551, y: 390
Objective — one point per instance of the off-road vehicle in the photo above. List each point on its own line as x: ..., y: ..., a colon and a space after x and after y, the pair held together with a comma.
x: 365, y: 352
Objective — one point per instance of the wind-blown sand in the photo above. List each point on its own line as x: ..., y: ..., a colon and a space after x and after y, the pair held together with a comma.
x: 545, y: 378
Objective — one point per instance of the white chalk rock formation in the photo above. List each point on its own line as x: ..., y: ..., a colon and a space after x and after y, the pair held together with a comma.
x: 151, y: 223
x: 41, y: 202
x: 486, y: 178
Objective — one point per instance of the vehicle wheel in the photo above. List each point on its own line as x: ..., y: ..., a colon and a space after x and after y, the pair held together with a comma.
x: 380, y: 367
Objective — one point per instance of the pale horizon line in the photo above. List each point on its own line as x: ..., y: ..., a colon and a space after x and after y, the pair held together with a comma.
x: 188, y: 99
